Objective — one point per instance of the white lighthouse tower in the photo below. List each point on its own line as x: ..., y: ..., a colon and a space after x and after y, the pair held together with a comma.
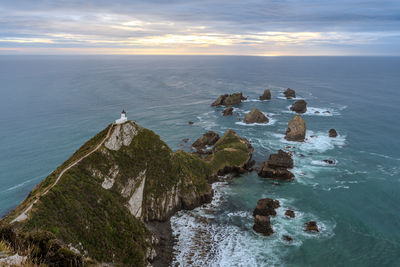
x: 123, y: 118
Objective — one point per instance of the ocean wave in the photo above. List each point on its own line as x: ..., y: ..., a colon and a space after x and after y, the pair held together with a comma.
x: 271, y: 122
x: 324, y: 163
x: 314, y: 111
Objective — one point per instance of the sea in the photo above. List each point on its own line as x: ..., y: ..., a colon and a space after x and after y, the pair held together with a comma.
x: 51, y: 105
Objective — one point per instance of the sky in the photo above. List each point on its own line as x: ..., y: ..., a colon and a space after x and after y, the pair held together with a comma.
x: 201, y: 27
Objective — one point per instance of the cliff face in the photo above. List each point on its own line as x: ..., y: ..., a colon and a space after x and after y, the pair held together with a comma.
x: 95, y: 204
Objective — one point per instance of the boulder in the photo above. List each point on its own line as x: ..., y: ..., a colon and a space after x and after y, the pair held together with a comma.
x: 266, y: 207
x: 190, y: 122
x: 255, y: 116
x: 300, y: 106
x: 207, y: 139
x: 262, y: 225
x: 332, y: 133
x: 312, y: 226
x: 228, y: 111
x: 266, y: 95
x: 229, y: 100
x: 276, y: 167
x: 289, y: 93
x: 329, y: 161
x: 290, y: 213
x: 296, y: 130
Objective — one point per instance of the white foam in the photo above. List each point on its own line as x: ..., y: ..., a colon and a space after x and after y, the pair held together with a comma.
x: 311, y: 111
x: 319, y: 142
x: 323, y: 163
x: 254, y: 100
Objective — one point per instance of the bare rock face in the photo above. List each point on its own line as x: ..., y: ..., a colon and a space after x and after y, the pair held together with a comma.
x: 266, y: 207
x: 255, y: 116
x: 296, y: 130
x: 229, y: 100
x: 228, y: 111
x: 332, y: 133
x: 266, y: 95
x: 276, y: 167
x: 289, y: 93
x: 122, y: 135
x: 207, y: 139
x: 300, y: 106
x: 312, y: 226
x: 262, y: 225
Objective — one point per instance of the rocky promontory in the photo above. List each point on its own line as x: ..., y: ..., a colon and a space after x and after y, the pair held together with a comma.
x: 255, y: 116
x: 94, y: 208
x: 229, y: 100
x: 296, y: 130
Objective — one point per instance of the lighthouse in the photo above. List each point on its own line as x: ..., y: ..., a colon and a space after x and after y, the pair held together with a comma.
x: 123, y: 118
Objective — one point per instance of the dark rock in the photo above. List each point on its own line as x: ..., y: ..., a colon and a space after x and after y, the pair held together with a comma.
x: 255, y: 116
x: 185, y: 140
x: 327, y: 112
x: 300, y: 106
x: 207, y: 139
x: 228, y: 111
x: 266, y: 207
x: 330, y: 161
x: 190, y: 122
x: 332, y: 133
x: 290, y: 213
x: 229, y: 100
x: 287, y: 238
x: 289, y: 93
x: 276, y: 167
x: 296, y: 130
x: 312, y: 226
x: 266, y: 95
x: 316, y: 112
x: 262, y: 225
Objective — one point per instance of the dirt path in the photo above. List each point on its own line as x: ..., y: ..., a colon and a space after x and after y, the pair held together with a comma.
x: 24, y: 215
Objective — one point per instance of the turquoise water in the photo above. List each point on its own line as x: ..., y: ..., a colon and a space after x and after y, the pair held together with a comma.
x: 51, y: 105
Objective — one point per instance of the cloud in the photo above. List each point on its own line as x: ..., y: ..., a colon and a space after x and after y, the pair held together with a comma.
x: 253, y: 27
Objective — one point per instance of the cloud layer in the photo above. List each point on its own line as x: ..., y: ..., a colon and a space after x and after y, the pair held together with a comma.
x: 252, y: 27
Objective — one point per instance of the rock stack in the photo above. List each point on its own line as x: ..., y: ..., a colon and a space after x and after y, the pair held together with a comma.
x: 228, y: 111
x: 332, y: 133
x: 289, y: 93
x: 266, y: 95
x: 262, y: 213
x: 296, y: 130
x: 276, y: 167
x: 229, y: 100
x: 300, y: 106
x: 255, y: 116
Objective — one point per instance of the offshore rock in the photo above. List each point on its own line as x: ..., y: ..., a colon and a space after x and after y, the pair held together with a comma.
x: 266, y: 207
x: 289, y: 93
x: 296, y: 130
x: 266, y: 95
x: 229, y: 100
x: 276, y: 167
x: 300, y: 106
x: 255, y: 116
x: 262, y: 225
x: 228, y: 111
x: 312, y: 226
x: 290, y: 213
x: 333, y: 133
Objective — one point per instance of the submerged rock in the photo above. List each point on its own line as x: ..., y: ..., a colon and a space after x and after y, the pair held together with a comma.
x: 276, y: 167
x: 287, y: 238
x: 312, y: 226
x: 289, y: 93
x: 207, y: 139
x: 300, y: 106
x: 333, y: 133
x: 229, y: 100
x: 255, y: 116
x: 296, y: 130
x: 266, y: 95
x: 330, y: 161
x: 190, y: 122
x: 228, y: 111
